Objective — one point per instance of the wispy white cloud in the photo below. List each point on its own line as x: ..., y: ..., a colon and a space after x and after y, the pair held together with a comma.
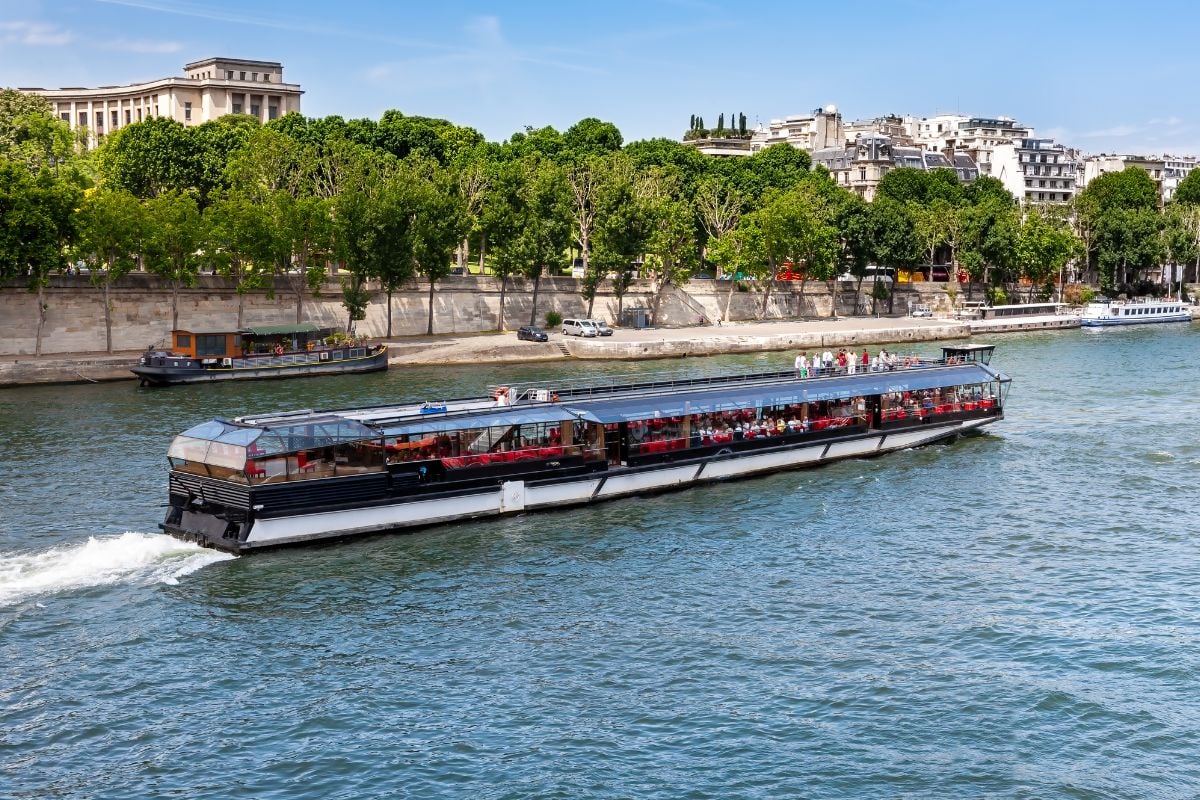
x: 145, y: 46
x: 487, y: 60
x: 34, y: 34
x: 288, y: 22
x: 1115, y: 132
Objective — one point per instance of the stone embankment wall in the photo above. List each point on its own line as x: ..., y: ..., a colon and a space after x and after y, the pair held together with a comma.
x: 141, y: 308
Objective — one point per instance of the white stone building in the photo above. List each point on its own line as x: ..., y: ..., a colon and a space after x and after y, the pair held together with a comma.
x: 1175, y: 169
x: 822, y: 128
x: 1035, y: 170
x: 209, y: 89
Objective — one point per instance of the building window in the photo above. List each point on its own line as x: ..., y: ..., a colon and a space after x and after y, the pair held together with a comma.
x: 228, y: 74
x: 272, y: 112
x: 266, y: 77
x: 128, y: 116
x: 116, y: 119
x: 83, y: 119
x: 862, y: 173
x: 237, y: 108
x: 139, y: 113
x: 187, y: 112
x: 66, y: 117
x: 254, y: 110
x: 243, y: 76
x: 254, y: 76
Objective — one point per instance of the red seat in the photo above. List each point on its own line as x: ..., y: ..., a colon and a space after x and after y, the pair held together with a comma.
x: 255, y: 470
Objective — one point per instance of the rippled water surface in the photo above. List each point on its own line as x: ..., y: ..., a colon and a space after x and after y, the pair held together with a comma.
x: 1011, y: 615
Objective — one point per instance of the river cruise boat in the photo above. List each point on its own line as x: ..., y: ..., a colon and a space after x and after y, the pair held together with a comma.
x: 302, y: 476
x: 264, y: 351
x: 1135, y: 312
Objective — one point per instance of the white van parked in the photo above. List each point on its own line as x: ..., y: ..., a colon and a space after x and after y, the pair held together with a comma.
x: 578, y: 327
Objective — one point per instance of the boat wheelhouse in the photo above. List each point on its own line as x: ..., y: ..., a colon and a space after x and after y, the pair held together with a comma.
x: 1135, y: 312
x: 262, y: 351
x: 301, y: 476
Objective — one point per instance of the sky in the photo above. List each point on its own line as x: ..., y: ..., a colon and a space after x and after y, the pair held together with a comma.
x: 1101, y: 76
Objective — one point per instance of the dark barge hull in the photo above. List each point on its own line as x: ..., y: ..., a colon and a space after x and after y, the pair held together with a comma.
x: 274, y: 367
x: 240, y: 519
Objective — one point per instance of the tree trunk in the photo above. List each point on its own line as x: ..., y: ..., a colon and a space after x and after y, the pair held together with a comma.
x: 299, y: 301
x: 833, y: 293
x: 175, y: 305
x: 729, y: 298
x: 482, y: 250
x: 429, y: 327
x: 858, y: 296
x: 537, y: 280
x: 462, y: 254
x: 389, y: 313
x: 107, y: 315
x: 766, y: 296
x: 41, y: 304
x: 503, y: 287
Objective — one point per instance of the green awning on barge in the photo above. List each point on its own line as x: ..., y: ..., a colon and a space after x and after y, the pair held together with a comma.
x: 280, y: 330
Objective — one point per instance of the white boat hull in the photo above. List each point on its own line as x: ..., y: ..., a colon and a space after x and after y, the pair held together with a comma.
x: 518, y: 496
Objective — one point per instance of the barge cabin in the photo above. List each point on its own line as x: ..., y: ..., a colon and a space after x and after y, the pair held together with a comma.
x: 302, y: 476
x: 263, y: 351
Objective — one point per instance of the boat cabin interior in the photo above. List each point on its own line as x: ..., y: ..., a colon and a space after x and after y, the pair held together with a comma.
x: 968, y: 354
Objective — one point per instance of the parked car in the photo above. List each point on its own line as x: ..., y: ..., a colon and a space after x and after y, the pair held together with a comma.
x: 601, y: 327
x: 578, y: 327
x: 921, y: 310
x: 532, y: 333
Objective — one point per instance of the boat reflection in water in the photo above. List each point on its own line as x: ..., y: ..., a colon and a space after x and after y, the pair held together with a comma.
x: 303, y: 476
x: 264, y: 351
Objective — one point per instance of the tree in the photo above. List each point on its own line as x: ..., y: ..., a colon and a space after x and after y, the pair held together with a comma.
x: 238, y: 234
x: 150, y: 157
x: 671, y: 252
x: 112, y: 231
x: 1187, y: 193
x: 540, y: 208
x: 1044, y: 245
x: 896, y: 242
x: 440, y: 223
x: 623, y: 229
x: 797, y: 229
x: 909, y: 185
x: 301, y: 232
x: 37, y: 225
x: 738, y: 252
x: 1182, y: 232
x: 591, y: 137
x: 174, y: 237
x: 31, y: 135
x: 584, y: 182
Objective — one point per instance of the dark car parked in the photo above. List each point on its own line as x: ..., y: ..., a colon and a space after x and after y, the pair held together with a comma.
x: 533, y: 333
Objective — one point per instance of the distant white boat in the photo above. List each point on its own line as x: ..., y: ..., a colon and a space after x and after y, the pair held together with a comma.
x: 1135, y: 312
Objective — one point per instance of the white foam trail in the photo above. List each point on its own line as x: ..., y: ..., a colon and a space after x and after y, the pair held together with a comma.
x: 144, y: 558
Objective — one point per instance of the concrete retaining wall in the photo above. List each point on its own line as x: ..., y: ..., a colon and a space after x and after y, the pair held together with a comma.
x: 141, y: 308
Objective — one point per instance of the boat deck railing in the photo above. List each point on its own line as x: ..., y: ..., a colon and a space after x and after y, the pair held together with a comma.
x: 528, y: 393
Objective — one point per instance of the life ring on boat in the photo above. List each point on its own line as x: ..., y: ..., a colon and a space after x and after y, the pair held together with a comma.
x: 278, y: 349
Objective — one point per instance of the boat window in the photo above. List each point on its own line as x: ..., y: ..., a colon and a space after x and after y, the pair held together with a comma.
x: 183, y: 340
x: 210, y: 344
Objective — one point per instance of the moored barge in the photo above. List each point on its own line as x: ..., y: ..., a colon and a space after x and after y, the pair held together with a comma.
x: 260, y: 352
x: 303, y: 476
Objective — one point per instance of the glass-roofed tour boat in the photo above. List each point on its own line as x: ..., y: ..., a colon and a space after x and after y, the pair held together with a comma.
x: 302, y: 476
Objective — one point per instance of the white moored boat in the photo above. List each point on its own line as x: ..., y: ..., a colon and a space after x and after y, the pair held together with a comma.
x: 1135, y: 312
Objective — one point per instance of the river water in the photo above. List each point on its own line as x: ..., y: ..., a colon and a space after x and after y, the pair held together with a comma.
x: 1012, y: 615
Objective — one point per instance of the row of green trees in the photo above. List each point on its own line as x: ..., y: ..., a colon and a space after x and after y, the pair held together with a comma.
x: 402, y: 197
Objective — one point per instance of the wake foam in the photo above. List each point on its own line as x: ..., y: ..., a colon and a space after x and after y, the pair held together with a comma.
x: 138, y: 558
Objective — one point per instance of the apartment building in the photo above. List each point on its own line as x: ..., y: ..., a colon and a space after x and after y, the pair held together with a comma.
x: 860, y: 165
x: 975, y: 136
x: 1175, y: 169
x: 1156, y: 168
x: 208, y: 89
x: 1035, y: 170
x: 820, y: 129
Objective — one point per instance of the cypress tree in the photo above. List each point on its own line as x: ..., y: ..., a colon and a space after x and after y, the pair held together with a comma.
x: 721, y: 121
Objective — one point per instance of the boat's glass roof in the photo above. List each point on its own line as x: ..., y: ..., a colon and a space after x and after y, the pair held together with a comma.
x: 707, y: 401
x: 517, y: 415
x: 225, y: 444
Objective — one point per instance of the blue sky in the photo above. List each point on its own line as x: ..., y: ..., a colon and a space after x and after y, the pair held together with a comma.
x: 1103, y: 76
